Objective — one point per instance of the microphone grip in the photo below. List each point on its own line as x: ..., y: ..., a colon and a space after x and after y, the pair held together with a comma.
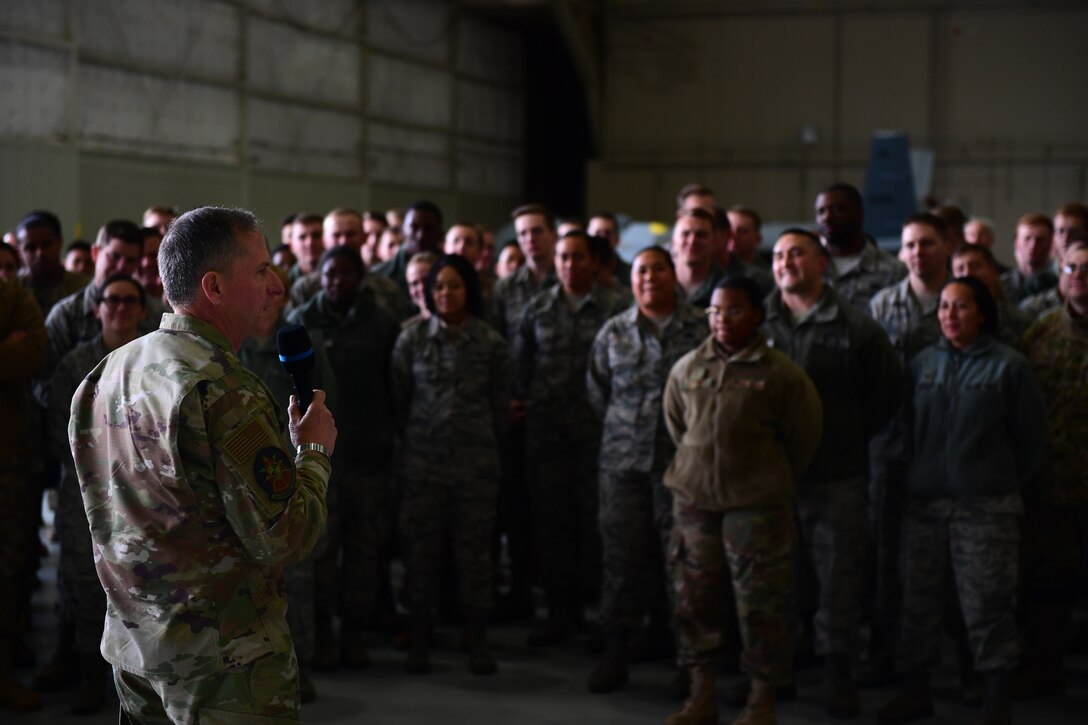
x: 303, y: 391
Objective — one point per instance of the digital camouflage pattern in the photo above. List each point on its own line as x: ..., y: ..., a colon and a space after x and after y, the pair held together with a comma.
x: 1039, y: 304
x: 512, y: 295
x: 550, y: 351
x: 195, y: 501
x: 82, y: 601
x: 874, y: 270
x: 977, y: 539
x: 385, y: 292
x: 452, y: 391
x: 1019, y: 286
x: 69, y: 284
x: 625, y: 383
x: 754, y: 547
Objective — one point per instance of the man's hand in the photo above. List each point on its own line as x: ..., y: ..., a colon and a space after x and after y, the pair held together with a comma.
x: 317, y: 426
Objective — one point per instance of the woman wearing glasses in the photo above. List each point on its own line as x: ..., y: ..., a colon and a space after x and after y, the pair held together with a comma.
x: 119, y: 307
x: 746, y: 420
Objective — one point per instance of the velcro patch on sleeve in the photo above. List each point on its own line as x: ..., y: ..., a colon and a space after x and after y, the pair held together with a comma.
x: 244, y: 443
x: 275, y: 473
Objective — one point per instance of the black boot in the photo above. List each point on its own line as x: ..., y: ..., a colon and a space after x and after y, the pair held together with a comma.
x: 914, y: 701
x: 842, y: 696
x: 480, y: 660
x: 995, y: 702
x: 610, y: 674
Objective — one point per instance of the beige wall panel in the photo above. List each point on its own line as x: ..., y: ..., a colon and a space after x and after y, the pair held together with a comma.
x: 119, y: 187
x: 273, y: 196
x: 1017, y: 76
x: 885, y: 77
x: 705, y: 88
x: 39, y: 176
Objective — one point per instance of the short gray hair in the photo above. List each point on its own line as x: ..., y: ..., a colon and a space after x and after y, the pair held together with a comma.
x: 198, y: 242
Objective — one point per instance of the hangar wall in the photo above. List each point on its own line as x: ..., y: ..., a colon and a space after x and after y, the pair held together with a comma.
x: 113, y: 105
x: 719, y: 92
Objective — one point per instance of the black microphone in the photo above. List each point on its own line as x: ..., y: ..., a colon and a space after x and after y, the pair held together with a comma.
x: 297, y: 357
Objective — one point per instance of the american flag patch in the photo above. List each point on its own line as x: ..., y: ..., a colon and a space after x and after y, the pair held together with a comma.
x: 244, y: 444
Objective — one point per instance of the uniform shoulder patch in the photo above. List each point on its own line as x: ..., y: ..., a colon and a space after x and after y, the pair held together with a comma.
x: 275, y: 473
x: 246, y: 441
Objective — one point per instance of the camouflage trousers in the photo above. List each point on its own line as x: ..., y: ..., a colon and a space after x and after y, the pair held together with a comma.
x: 635, y: 518
x: 563, y: 506
x: 462, y: 513
x: 1054, y: 559
x: 980, y: 547
x: 262, y: 691
x: 832, y: 524
x: 82, y: 600
x: 346, y: 571
x: 753, y: 547
x: 14, y: 485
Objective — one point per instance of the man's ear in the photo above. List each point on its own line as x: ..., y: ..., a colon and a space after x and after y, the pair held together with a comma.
x: 212, y: 285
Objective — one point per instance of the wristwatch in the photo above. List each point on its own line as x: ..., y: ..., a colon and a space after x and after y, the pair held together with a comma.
x: 316, y: 447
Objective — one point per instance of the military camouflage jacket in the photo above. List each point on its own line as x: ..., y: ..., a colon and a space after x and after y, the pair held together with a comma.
x: 512, y: 294
x: 452, y: 393
x: 1043, y: 302
x: 855, y: 370
x: 744, y: 426
x: 195, y: 500
x: 910, y: 326
x: 1018, y: 287
x: 1057, y: 346
x: 69, y: 284
x: 625, y: 382
x: 70, y: 372
x: 358, y: 345
x: 386, y: 292
x: 72, y: 321
x: 977, y: 421
x: 874, y: 271
x: 550, y: 351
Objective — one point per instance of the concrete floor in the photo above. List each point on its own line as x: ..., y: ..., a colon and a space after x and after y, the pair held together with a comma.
x: 534, y: 687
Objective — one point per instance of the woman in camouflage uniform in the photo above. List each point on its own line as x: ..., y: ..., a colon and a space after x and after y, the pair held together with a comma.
x: 452, y: 376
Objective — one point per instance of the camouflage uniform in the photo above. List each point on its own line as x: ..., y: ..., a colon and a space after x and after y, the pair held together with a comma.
x: 512, y: 295
x: 744, y: 425
x: 1055, y: 543
x: 385, y: 291
x: 911, y: 325
x: 1018, y: 287
x: 1037, y: 304
x: 977, y: 423
x: 69, y: 284
x: 855, y: 370
x: 20, y: 360
x: 452, y: 392
x: 1012, y: 322
x: 72, y: 321
x: 562, y: 437
x: 873, y: 271
x: 195, y: 502
x: 358, y: 346
x: 628, y: 367
x: 262, y: 358
x: 699, y: 298
x: 82, y: 601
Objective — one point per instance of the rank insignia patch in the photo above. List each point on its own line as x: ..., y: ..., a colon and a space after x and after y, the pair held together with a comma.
x: 275, y: 473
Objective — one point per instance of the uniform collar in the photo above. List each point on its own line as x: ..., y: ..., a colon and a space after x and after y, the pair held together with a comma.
x: 184, y: 323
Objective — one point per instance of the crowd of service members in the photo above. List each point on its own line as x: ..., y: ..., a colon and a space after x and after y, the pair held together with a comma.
x: 716, y: 453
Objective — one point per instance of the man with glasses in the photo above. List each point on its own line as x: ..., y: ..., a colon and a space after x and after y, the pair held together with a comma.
x: 1055, y: 524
